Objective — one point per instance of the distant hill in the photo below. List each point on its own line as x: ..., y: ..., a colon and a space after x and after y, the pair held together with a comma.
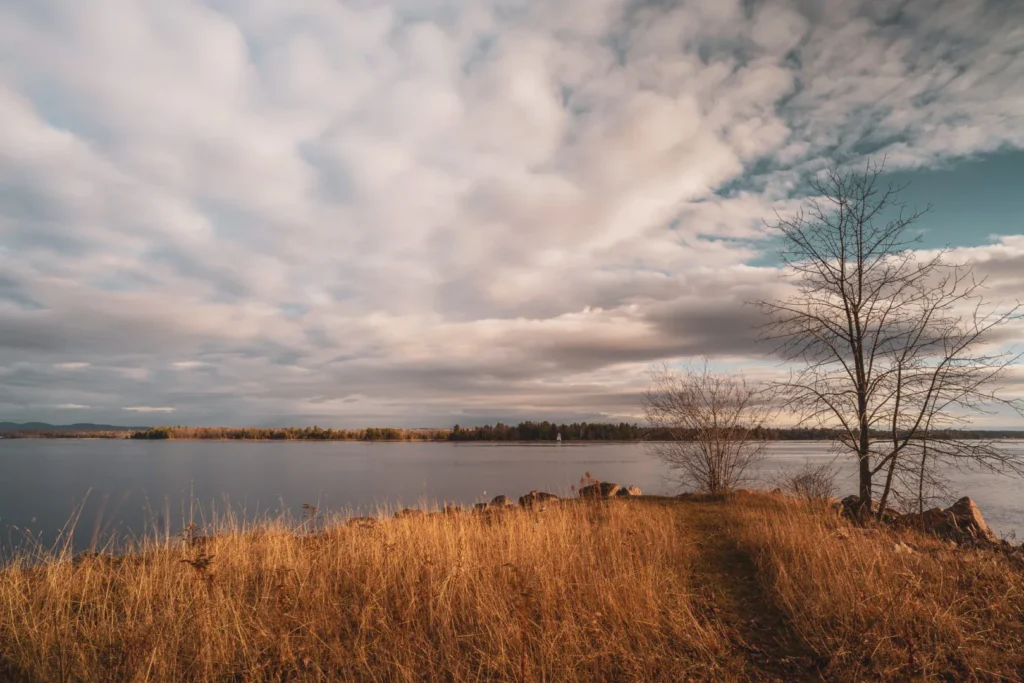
x: 78, y: 427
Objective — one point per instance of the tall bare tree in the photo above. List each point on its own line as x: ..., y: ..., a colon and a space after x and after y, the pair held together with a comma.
x: 896, y: 346
x: 712, y: 423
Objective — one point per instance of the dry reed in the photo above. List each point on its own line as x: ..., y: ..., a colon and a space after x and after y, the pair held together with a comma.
x: 572, y: 593
x: 875, y: 604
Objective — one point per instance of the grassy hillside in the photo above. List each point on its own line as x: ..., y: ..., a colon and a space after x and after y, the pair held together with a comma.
x: 751, y: 587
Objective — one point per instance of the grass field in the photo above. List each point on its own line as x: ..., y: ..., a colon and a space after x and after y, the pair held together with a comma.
x: 747, y: 587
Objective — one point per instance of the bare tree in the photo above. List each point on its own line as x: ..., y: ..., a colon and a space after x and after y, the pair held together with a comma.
x: 712, y: 423
x: 897, y: 346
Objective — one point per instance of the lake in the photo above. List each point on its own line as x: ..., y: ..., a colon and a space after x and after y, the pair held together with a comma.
x: 124, y: 488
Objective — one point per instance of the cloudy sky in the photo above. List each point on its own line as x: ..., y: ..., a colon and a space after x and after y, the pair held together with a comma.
x: 424, y: 212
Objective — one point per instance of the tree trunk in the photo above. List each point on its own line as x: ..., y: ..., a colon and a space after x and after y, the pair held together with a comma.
x: 920, y: 481
x: 865, y: 482
x: 863, y: 446
x: 888, y: 487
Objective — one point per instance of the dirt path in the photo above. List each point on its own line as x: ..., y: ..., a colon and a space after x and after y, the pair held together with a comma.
x: 726, y: 582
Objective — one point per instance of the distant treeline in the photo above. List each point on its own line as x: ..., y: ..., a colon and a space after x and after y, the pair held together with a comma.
x: 549, y: 431
x: 524, y: 431
x: 583, y: 431
x: 67, y: 434
x: 291, y: 434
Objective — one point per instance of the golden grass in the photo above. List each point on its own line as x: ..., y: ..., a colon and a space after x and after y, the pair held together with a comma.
x: 878, y: 604
x: 573, y: 593
x: 743, y: 587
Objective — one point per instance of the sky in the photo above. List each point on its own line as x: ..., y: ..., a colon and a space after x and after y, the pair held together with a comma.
x: 421, y: 213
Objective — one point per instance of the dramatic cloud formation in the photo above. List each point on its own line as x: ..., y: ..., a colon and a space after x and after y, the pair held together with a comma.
x: 415, y: 213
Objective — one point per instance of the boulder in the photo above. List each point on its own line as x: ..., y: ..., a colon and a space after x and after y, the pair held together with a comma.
x: 969, y: 520
x: 534, y: 498
x: 452, y: 509
x: 936, y: 521
x: 960, y: 523
x: 493, y: 508
x: 498, y: 501
x: 852, y: 508
x: 362, y: 522
x: 629, y: 491
x: 408, y: 513
x: 605, y: 489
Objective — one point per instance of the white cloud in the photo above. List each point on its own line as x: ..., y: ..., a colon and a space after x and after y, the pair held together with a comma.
x: 434, y: 206
x: 149, y: 409
x: 71, y: 366
x: 71, y: 406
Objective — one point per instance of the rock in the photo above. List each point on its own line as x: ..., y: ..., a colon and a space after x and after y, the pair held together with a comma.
x: 969, y: 520
x: 452, y: 509
x: 960, y: 523
x: 629, y: 491
x: 936, y: 521
x: 480, y: 507
x: 534, y: 498
x: 500, y: 500
x: 362, y: 522
x: 605, y: 489
x: 408, y: 513
x: 852, y: 508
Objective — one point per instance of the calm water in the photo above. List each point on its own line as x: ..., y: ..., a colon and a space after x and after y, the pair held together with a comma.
x: 125, y: 488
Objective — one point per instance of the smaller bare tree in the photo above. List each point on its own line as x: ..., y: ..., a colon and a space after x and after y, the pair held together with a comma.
x: 712, y: 425
x: 813, y: 483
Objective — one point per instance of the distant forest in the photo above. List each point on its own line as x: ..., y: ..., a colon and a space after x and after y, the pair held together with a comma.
x: 583, y: 431
x: 524, y: 431
x: 291, y: 434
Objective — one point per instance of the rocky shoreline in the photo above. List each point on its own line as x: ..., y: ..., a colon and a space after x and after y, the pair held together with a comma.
x: 962, y: 523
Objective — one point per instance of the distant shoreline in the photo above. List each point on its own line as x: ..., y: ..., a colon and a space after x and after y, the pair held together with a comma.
x: 527, y: 432
x: 492, y: 442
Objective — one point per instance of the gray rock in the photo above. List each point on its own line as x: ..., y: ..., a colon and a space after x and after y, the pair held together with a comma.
x: 969, y: 520
x: 362, y: 522
x: 853, y: 509
x: 534, y: 498
x: 605, y: 489
x: 630, y: 491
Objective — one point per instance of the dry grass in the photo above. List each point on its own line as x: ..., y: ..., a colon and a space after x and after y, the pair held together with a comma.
x: 573, y: 593
x: 875, y: 604
x: 743, y: 587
